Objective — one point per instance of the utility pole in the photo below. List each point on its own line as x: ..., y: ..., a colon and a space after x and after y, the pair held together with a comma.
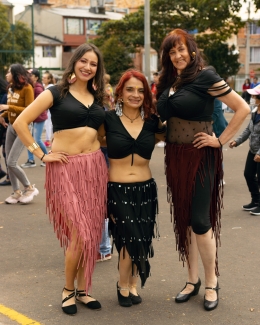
x: 247, y: 61
x: 147, y: 40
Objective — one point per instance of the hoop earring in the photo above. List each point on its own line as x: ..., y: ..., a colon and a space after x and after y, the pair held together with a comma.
x: 118, y: 108
x: 142, y: 112
x: 72, y: 78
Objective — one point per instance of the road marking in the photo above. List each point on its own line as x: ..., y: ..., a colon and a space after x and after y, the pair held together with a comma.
x: 19, y: 318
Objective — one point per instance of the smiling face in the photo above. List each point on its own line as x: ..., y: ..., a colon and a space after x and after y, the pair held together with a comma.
x: 180, y: 57
x: 86, y: 67
x: 133, y: 94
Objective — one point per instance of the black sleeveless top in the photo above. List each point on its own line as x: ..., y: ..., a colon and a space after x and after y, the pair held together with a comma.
x: 189, y: 110
x: 69, y: 113
x: 120, y: 143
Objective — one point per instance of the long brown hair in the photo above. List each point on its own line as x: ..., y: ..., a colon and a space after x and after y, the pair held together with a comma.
x: 20, y: 76
x: 148, y: 104
x: 168, y: 75
x: 98, y: 92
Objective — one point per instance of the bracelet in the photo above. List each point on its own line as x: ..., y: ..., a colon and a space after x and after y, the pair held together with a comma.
x: 220, y: 143
x: 42, y: 156
x: 33, y: 147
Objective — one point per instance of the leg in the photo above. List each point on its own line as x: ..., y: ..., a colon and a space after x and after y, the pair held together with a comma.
x: 207, y: 249
x: 125, y: 270
x: 193, y: 264
x: 250, y: 176
x: 38, y: 129
x: 105, y: 246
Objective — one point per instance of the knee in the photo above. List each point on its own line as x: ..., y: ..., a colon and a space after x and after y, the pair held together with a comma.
x: 200, y: 228
x: 11, y: 164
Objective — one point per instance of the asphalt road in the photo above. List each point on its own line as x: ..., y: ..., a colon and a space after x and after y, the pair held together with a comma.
x: 32, y: 275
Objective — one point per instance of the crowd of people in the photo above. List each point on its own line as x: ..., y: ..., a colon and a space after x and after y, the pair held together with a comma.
x: 98, y: 179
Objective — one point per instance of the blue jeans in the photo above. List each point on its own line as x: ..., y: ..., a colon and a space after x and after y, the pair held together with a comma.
x: 105, y: 247
x: 37, y: 134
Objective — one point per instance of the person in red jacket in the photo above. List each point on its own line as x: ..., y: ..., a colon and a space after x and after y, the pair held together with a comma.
x: 38, y: 124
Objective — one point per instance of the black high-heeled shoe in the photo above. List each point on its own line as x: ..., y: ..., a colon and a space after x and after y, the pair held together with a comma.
x: 122, y: 300
x: 183, y: 297
x: 71, y: 309
x: 210, y: 305
x: 94, y: 304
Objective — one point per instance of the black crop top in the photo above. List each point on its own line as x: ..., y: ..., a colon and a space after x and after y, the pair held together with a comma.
x: 120, y: 143
x: 189, y: 110
x: 69, y: 113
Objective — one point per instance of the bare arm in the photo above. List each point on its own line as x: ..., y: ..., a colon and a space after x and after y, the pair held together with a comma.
x: 40, y: 104
x: 102, y: 136
x: 241, y: 109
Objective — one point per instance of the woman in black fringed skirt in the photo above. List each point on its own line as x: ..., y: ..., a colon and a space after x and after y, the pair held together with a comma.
x: 132, y: 130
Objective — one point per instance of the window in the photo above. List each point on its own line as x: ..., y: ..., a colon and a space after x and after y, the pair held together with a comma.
x: 73, y: 26
x: 255, y: 54
x: 93, y: 26
x: 49, y: 51
x: 254, y: 28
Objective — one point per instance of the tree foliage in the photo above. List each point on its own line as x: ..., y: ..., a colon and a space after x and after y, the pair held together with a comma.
x: 218, y: 16
x: 15, y: 38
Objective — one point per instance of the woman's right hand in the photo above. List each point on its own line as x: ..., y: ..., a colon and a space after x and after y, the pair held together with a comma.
x: 232, y: 144
x: 56, y: 156
x: 3, y: 122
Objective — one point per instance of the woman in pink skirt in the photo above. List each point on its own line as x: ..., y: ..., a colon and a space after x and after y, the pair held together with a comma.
x: 76, y: 171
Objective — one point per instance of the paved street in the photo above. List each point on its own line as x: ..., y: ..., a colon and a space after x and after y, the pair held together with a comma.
x: 32, y: 275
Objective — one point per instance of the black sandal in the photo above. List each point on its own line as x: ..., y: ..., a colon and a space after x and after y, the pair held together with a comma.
x: 123, y: 301
x: 71, y: 309
x: 94, y: 305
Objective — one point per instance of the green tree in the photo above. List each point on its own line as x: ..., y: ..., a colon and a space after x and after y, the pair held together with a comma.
x: 218, y: 16
x: 116, y: 59
x: 16, y: 40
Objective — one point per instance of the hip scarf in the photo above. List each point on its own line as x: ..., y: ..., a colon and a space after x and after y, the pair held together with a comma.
x: 183, y: 162
x: 132, y: 208
x: 76, y: 202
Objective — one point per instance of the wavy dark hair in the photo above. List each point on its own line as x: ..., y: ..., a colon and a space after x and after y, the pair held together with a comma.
x: 148, y: 104
x: 3, y: 86
x: 168, y: 75
x: 98, y: 79
x: 20, y: 76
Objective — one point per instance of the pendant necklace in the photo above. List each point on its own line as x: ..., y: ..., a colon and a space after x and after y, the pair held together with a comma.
x: 131, y: 119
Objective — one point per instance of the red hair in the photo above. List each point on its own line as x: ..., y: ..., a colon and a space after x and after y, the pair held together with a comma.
x: 148, y: 104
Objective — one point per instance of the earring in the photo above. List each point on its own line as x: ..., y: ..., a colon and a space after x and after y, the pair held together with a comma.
x: 142, y: 112
x: 72, y: 78
x: 193, y: 55
x: 118, y: 108
x: 94, y: 86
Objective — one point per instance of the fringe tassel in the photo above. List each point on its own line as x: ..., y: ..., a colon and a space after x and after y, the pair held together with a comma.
x: 182, y: 164
x: 76, y: 202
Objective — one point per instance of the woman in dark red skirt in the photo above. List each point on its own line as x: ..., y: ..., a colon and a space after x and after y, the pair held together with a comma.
x: 76, y: 171
x: 193, y: 159
x: 132, y: 130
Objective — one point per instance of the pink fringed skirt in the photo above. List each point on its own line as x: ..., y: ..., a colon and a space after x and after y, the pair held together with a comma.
x: 76, y: 196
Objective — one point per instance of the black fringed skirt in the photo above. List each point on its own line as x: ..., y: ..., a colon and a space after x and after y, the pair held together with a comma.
x: 132, y: 208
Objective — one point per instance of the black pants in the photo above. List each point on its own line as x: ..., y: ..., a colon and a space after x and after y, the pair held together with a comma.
x: 252, y: 174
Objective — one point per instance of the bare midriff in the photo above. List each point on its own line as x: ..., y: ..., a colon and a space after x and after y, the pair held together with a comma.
x: 121, y: 171
x: 75, y: 141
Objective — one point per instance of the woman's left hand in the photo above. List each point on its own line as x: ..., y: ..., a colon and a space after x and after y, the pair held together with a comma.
x: 4, y: 107
x: 205, y: 140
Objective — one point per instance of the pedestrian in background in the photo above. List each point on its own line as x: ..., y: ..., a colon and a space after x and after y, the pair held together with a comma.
x: 38, y: 124
x: 20, y: 95
x: 252, y: 166
x: 48, y: 81
x: 3, y: 100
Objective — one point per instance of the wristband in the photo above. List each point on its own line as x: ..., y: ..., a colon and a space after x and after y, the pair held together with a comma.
x: 220, y: 143
x: 33, y: 147
x: 42, y: 156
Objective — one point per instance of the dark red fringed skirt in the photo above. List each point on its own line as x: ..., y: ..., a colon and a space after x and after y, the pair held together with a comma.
x: 183, y: 163
x: 76, y: 195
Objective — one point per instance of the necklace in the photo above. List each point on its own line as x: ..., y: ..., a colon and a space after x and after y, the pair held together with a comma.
x: 131, y: 119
